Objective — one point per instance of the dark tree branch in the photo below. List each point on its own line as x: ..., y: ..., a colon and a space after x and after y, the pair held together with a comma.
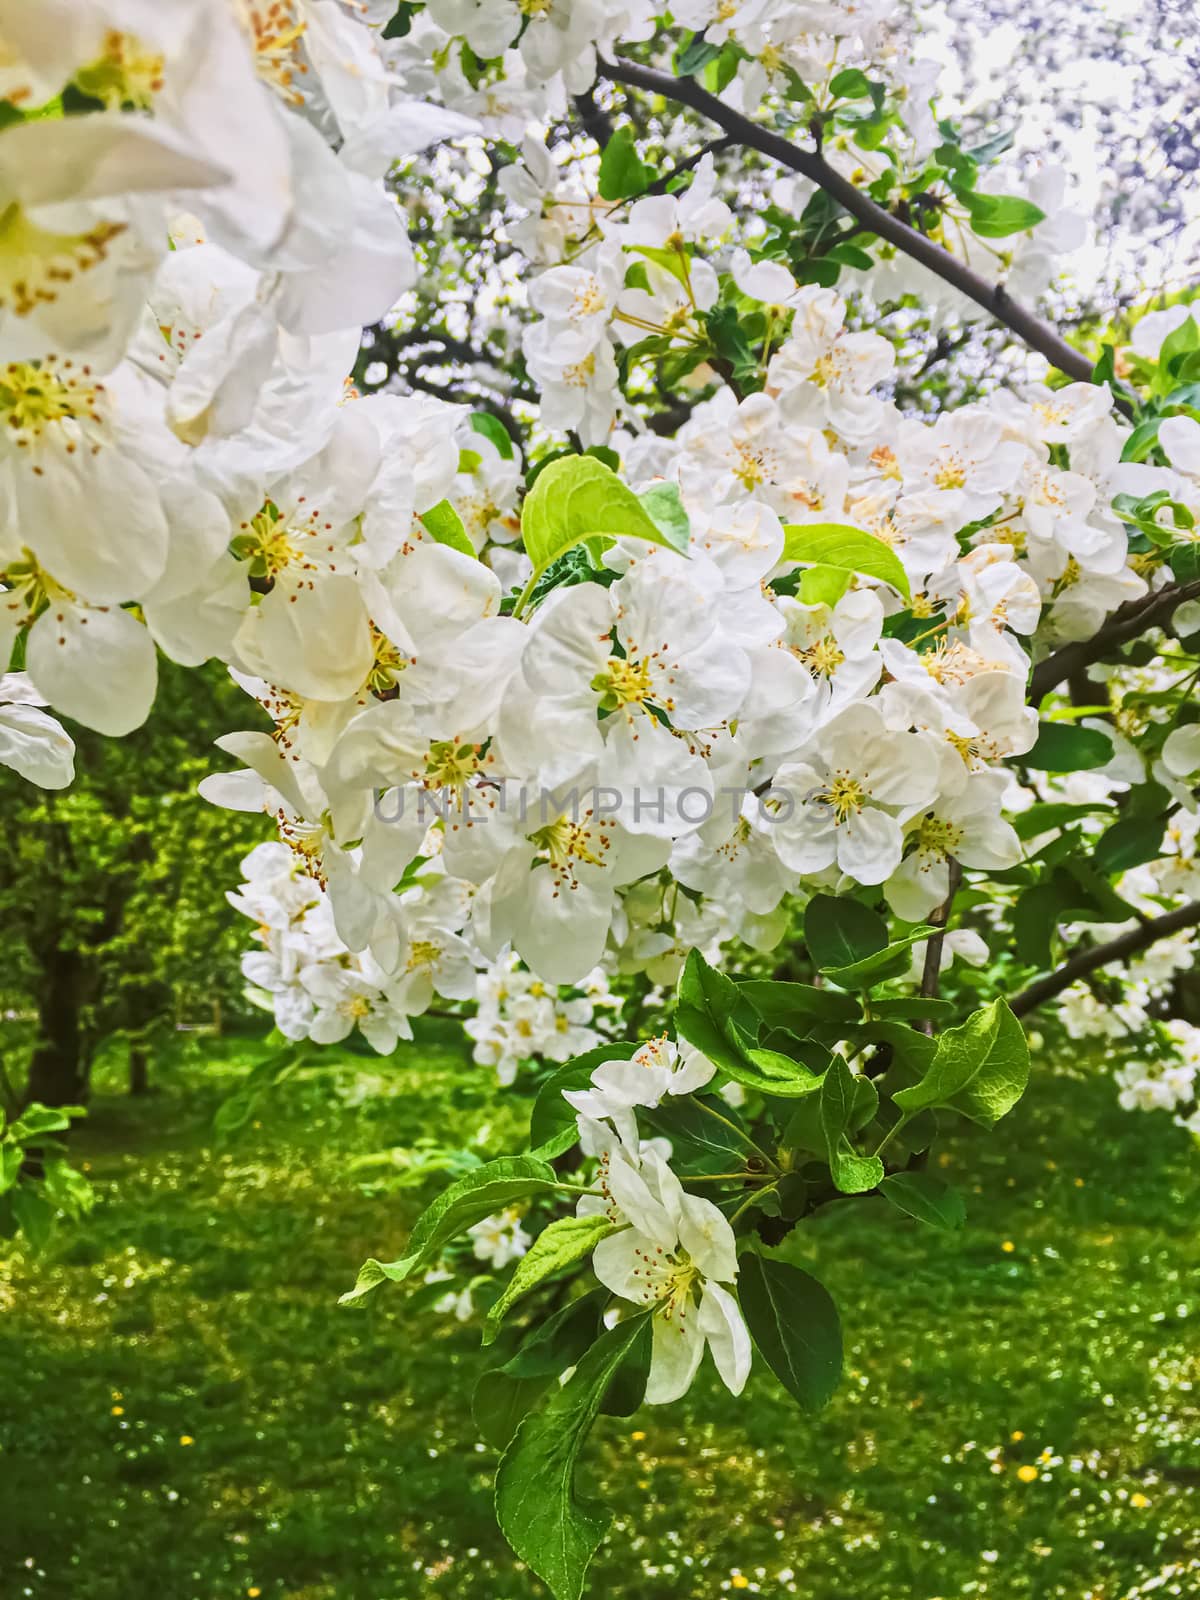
x: 594, y: 120
x: 994, y: 298
x: 1128, y: 622
x: 1101, y: 955
x: 659, y: 186
x: 932, y: 971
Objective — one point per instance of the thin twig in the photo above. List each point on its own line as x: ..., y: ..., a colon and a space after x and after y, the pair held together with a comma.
x: 993, y: 297
x: 1102, y: 955
x: 932, y: 971
x: 1128, y: 622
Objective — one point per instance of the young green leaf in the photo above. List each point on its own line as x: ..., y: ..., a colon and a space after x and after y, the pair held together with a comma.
x: 478, y: 1194
x: 576, y: 497
x: 832, y: 544
x: 540, y: 1513
x: 994, y: 216
x: 623, y: 173
x: 561, y: 1244
x: 490, y: 427
x: 928, y: 1199
x: 446, y: 526
x: 794, y: 1323
x: 661, y: 501
x: 842, y: 1106
x: 980, y: 1069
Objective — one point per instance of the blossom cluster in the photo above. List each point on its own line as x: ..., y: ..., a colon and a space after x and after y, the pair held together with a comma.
x: 319, y: 990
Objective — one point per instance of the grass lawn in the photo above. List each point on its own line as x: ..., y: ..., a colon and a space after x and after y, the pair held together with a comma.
x: 188, y: 1415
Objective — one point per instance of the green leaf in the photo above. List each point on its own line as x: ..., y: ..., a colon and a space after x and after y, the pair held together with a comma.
x: 505, y: 1394
x: 38, y: 1119
x: 560, y: 1245
x: 1184, y: 561
x: 832, y: 544
x: 552, y: 1126
x: 1142, y: 440
x: 704, y: 1011
x: 913, y: 1007
x: 928, y: 1199
x: 34, y: 1215
x: 850, y: 84
x: 446, y: 526
x: 1061, y: 747
x: 540, y: 1513
x: 623, y: 173
x: 890, y: 962
x: 823, y: 585
x: 699, y: 1141
x: 781, y: 1005
x: 478, y: 1194
x: 12, y: 1158
x: 1035, y: 922
x: 980, y: 1068
x: 794, y: 1323
x: 1044, y: 816
x: 993, y: 216
x: 706, y: 999
x: 839, y: 930
x: 574, y: 498
x: 695, y: 55
x: 676, y: 262
x: 1130, y: 843
x: 483, y: 422
x: 661, y: 501
x: 841, y: 1109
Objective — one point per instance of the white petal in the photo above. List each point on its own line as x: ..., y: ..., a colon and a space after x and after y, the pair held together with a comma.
x: 722, y: 1325
x: 36, y: 746
x: 96, y: 664
x: 678, y: 1344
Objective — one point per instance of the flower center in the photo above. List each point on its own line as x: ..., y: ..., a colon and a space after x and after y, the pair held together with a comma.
x: 566, y: 844
x: 35, y: 263
x: 33, y: 397
x: 843, y: 795
x: 952, y: 474
x: 449, y: 764
x: 275, y: 35
x: 125, y: 76
x: 937, y: 837
x: 750, y: 468
x: 390, y: 661
x: 823, y: 658
x: 589, y: 299
x: 423, y: 953
x: 623, y: 683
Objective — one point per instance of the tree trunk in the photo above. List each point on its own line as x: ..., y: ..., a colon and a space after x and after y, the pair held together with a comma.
x: 139, y: 1069
x: 58, y: 1071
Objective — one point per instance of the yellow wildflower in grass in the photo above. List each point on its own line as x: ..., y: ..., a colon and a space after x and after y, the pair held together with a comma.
x: 1141, y: 1501
x: 186, y: 1438
x: 1008, y: 1247
x: 1027, y: 1474
x: 118, y: 1411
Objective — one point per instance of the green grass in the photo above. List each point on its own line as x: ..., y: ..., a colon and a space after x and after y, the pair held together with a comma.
x: 333, y: 1455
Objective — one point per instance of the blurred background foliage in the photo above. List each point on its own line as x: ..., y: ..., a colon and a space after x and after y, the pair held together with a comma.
x: 192, y: 1415
x: 114, y: 894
